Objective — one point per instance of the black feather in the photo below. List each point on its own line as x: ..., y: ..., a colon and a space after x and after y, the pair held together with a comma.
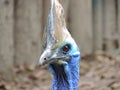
x: 60, y: 74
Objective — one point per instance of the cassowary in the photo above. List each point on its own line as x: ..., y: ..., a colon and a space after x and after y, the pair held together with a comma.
x: 61, y: 54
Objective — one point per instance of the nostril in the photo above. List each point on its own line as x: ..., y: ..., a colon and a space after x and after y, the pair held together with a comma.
x: 45, y: 58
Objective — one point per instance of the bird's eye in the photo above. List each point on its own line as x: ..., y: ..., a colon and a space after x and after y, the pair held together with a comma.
x: 66, y: 48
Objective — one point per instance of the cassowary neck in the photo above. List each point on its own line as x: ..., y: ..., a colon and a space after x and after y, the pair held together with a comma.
x: 65, y: 77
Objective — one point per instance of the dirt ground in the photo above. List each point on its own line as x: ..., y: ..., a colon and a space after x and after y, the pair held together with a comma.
x: 102, y: 73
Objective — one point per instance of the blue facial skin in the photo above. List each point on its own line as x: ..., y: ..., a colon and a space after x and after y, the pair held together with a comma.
x: 66, y: 75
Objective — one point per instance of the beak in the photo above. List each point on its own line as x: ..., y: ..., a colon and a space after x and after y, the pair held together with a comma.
x: 48, y: 57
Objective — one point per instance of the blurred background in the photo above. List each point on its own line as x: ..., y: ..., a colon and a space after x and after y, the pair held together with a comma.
x: 94, y: 24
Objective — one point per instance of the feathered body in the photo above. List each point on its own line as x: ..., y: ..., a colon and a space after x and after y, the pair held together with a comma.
x: 61, y: 54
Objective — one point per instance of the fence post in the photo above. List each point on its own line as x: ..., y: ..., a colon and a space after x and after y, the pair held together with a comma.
x: 109, y: 24
x: 46, y: 7
x: 28, y: 23
x: 97, y: 26
x: 118, y: 3
x: 6, y: 37
x: 80, y: 24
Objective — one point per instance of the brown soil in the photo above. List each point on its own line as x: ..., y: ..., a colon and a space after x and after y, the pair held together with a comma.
x: 103, y: 73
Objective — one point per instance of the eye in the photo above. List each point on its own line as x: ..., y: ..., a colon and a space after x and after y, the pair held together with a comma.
x: 66, y: 48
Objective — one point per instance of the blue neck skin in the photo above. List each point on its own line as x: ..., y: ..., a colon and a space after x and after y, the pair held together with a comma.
x: 66, y: 77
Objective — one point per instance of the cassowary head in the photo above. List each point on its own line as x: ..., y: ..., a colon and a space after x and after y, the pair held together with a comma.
x: 60, y: 52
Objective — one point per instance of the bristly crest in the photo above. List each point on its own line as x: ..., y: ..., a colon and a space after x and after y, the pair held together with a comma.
x: 55, y: 31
